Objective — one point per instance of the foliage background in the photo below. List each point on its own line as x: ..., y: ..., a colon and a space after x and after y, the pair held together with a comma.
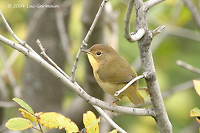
x: 173, y: 14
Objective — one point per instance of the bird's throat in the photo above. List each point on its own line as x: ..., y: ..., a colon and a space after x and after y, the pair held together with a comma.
x: 93, y: 62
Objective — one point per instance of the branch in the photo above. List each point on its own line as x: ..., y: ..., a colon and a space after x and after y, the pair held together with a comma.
x: 85, y: 40
x: 162, y: 120
x: 109, y: 119
x: 132, y: 37
x: 193, y: 10
x: 158, y: 30
x: 188, y: 66
x: 49, y: 59
x: 128, y: 84
x: 150, y: 3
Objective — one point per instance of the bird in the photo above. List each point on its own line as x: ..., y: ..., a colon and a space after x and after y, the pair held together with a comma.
x: 112, y: 72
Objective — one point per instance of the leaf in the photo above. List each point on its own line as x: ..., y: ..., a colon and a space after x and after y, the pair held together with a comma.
x: 18, y: 124
x: 23, y: 104
x: 113, y: 131
x: 56, y: 120
x: 195, y: 112
x: 91, y: 122
x: 29, y: 116
x: 197, y: 86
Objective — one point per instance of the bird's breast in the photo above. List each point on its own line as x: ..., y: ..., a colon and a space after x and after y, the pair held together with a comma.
x: 108, y: 87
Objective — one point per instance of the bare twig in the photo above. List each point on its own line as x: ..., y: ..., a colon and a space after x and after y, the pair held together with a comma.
x: 128, y: 84
x: 85, y: 40
x: 194, y: 11
x: 188, y: 66
x: 158, y: 30
x: 49, y: 59
x: 13, y: 34
x: 132, y: 37
x: 109, y: 119
x: 151, y: 3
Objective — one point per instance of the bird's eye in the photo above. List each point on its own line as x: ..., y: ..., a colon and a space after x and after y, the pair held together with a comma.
x: 98, y: 53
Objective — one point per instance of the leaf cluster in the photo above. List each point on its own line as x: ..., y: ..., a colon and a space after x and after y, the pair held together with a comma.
x: 51, y: 120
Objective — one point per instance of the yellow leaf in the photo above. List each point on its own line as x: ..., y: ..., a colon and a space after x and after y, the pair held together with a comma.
x: 28, y: 115
x: 197, y: 86
x: 18, y: 124
x: 56, y: 120
x: 23, y: 104
x: 91, y: 122
x: 113, y: 131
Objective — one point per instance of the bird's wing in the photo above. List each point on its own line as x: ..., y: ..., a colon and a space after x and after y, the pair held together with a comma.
x: 121, y: 73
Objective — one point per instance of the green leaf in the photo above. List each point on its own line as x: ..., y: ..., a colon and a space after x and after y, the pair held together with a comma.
x: 91, y: 122
x: 23, y: 104
x: 197, y: 86
x: 18, y: 124
x: 195, y: 112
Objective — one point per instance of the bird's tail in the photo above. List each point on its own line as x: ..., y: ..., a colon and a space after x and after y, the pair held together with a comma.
x: 134, y: 96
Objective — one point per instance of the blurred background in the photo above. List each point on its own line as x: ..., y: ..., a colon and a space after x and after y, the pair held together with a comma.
x: 61, y: 28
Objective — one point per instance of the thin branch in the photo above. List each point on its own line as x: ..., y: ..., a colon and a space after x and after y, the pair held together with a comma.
x: 158, y: 30
x: 74, y: 86
x: 12, y: 33
x: 85, y: 40
x: 188, y: 66
x: 194, y: 11
x: 150, y: 3
x: 132, y: 37
x: 128, y: 84
x: 49, y: 59
x: 102, y: 113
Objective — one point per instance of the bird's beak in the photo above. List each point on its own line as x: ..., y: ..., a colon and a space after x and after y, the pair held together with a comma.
x: 86, y: 51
